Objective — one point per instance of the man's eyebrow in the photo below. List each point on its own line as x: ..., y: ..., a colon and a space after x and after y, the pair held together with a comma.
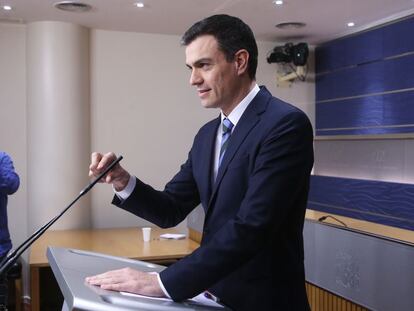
x: 199, y: 62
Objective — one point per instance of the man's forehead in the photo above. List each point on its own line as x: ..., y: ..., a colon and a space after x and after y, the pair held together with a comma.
x: 202, y: 47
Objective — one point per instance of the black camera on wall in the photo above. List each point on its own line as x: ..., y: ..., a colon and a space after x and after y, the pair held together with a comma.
x: 296, y: 53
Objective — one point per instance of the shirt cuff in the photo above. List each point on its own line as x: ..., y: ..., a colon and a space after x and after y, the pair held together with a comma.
x: 126, y: 192
x: 161, y: 285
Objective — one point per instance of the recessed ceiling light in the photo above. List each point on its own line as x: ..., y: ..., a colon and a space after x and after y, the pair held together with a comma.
x: 278, y: 2
x: 7, y: 7
x: 139, y: 5
x: 351, y: 24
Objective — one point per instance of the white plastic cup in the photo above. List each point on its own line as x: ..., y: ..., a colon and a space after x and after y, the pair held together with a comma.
x: 146, y: 234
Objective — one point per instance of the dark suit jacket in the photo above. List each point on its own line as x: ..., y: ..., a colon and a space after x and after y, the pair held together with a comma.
x: 251, y: 254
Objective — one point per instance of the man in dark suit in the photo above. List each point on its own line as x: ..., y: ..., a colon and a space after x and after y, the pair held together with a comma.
x: 249, y: 168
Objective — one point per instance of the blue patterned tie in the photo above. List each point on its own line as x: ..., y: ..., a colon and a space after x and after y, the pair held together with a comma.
x: 227, y: 126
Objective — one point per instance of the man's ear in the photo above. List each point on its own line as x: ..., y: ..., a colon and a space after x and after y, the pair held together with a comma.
x: 241, y: 61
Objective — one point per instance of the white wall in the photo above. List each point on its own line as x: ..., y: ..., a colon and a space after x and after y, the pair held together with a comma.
x: 144, y: 108
x: 141, y: 108
x: 13, y: 119
x: 13, y: 124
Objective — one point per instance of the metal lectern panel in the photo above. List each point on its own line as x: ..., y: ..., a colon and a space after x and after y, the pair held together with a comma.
x: 71, y: 266
x: 373, y: 271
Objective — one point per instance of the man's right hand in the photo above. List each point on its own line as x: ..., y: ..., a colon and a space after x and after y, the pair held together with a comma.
x: 117, y: 176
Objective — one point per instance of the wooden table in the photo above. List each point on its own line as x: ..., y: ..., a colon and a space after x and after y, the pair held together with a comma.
x: 123, y: 242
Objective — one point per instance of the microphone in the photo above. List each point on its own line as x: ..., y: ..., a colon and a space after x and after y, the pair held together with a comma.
x: 323, y: 218
x: 11, y: 258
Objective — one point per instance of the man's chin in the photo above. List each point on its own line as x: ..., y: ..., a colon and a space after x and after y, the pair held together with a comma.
x: 208, y: 104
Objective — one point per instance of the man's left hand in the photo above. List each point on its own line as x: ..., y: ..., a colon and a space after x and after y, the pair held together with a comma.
x: 128, y: 280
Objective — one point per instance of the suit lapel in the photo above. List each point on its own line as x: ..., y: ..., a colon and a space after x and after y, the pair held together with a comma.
x: 207, y: 157
x: 246, y: 123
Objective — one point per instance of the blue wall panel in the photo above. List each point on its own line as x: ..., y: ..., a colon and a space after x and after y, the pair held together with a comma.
x: 359, y: 112
x: 346, y: 52
x: 388, y: 110
x: 390, y: 40
x: 364, y: 48
x: 354, y: 77
x: 329, y: 57
x: 398, y: 38
x: 381, y: 202
x: 388, y: 75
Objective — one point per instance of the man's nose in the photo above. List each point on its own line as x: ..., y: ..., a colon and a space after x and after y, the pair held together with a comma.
x: 195, y: 78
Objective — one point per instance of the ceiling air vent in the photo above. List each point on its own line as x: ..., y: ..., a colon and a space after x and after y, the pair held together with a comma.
x: 72, y: 6
x: 290, y: 25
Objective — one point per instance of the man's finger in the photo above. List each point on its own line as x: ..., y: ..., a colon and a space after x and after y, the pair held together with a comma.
x: 108, y: 178
x: 107, y: 274
x: 95, y: 159
x: 107, y: 159
x: 115, y: 287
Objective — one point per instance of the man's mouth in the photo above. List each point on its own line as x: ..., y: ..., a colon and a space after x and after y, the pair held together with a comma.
x: 202, y: 92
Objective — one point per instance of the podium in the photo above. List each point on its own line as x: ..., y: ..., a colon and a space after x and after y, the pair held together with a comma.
x: 71, y: 267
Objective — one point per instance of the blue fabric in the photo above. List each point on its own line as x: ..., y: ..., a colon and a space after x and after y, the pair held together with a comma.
x: 386, y: 203
x: 9, y: 183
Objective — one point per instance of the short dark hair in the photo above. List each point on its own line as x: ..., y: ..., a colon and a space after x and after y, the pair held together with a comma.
x: 232, y: 35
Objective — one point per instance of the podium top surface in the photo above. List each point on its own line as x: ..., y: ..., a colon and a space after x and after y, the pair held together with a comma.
x: 71, y: 267
x: 123, y: 242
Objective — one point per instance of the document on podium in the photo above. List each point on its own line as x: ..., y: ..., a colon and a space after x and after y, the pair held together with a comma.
x: 200, y: 299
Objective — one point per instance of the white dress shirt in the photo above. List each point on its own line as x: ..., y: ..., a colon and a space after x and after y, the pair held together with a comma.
x: 234, y: 118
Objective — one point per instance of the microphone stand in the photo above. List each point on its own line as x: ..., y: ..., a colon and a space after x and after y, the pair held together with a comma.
x: 11, y: 258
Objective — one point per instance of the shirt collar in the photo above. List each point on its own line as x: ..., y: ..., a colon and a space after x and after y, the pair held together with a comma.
x: 237, y: 112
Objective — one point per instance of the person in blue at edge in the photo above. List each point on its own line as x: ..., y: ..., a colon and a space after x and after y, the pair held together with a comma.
x: 9, y: 183
x: 249, y: 168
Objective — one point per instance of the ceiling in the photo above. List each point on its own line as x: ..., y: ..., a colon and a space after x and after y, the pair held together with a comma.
x: 325, y: 19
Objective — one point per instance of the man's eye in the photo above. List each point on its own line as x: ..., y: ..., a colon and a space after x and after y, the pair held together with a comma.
x: 205, y: 65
